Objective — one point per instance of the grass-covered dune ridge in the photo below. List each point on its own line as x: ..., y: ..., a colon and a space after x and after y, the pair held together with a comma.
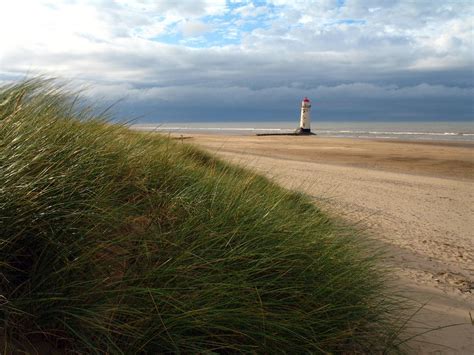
x: 113, y: 241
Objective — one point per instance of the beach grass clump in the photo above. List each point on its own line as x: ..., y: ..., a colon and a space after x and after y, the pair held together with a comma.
x: 114, y: 241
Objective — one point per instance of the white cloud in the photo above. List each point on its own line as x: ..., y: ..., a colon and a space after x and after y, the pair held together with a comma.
x: 250, y: 10
x: 184, y: 9
x: 190, y: 28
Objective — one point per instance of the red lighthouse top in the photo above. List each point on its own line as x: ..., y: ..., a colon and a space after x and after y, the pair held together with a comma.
x: 305, y: 99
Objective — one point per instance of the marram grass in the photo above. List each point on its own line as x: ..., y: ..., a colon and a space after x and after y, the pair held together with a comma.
x: 119, y: 242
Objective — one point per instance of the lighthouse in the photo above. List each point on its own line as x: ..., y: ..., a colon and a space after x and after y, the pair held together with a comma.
x: 305, y: 120
x: 305, y: 124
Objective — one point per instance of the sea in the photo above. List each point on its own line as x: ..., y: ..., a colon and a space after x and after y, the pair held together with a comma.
x: 418, y: 131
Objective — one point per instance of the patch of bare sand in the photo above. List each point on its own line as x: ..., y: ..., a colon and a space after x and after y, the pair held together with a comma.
x: 415, y: 198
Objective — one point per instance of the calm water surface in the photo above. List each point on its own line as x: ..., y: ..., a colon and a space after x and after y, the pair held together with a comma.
x: 439, y: 131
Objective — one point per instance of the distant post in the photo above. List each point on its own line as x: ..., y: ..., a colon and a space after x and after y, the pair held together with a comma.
x: 305, y: 119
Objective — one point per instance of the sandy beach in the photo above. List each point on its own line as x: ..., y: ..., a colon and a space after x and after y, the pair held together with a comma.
x: 415, y: 198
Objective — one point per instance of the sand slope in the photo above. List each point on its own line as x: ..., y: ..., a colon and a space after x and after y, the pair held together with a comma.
x: 416, y: 198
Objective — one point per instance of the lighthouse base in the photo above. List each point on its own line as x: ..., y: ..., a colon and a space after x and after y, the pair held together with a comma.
x: 303, y: 131
x: 298, y: 132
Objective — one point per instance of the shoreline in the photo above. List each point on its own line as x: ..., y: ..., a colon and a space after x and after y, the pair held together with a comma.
x: 437, y: 159
x: 446, y: 142
x: 415, y: 198
x: 194, y: 132
x: 443, y: 142
x: 459, y: 131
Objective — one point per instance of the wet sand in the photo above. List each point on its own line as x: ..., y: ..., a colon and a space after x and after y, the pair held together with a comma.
x: 415, y: 198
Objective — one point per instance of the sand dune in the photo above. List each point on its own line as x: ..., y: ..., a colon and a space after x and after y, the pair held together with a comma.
x: 417, y: 199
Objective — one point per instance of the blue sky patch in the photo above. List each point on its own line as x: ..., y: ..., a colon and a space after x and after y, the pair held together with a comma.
x: 224, y: 29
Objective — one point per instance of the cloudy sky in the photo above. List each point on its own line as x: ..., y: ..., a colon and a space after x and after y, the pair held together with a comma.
x: 202, y: 60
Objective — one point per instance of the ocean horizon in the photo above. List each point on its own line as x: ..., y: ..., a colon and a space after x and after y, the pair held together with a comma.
x: 461, y: 131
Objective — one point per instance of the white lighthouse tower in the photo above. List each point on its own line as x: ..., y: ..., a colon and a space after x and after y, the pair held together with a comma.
x: 305, y: 119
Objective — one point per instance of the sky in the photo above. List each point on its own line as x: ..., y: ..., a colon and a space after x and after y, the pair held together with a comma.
x: 231, y: 60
